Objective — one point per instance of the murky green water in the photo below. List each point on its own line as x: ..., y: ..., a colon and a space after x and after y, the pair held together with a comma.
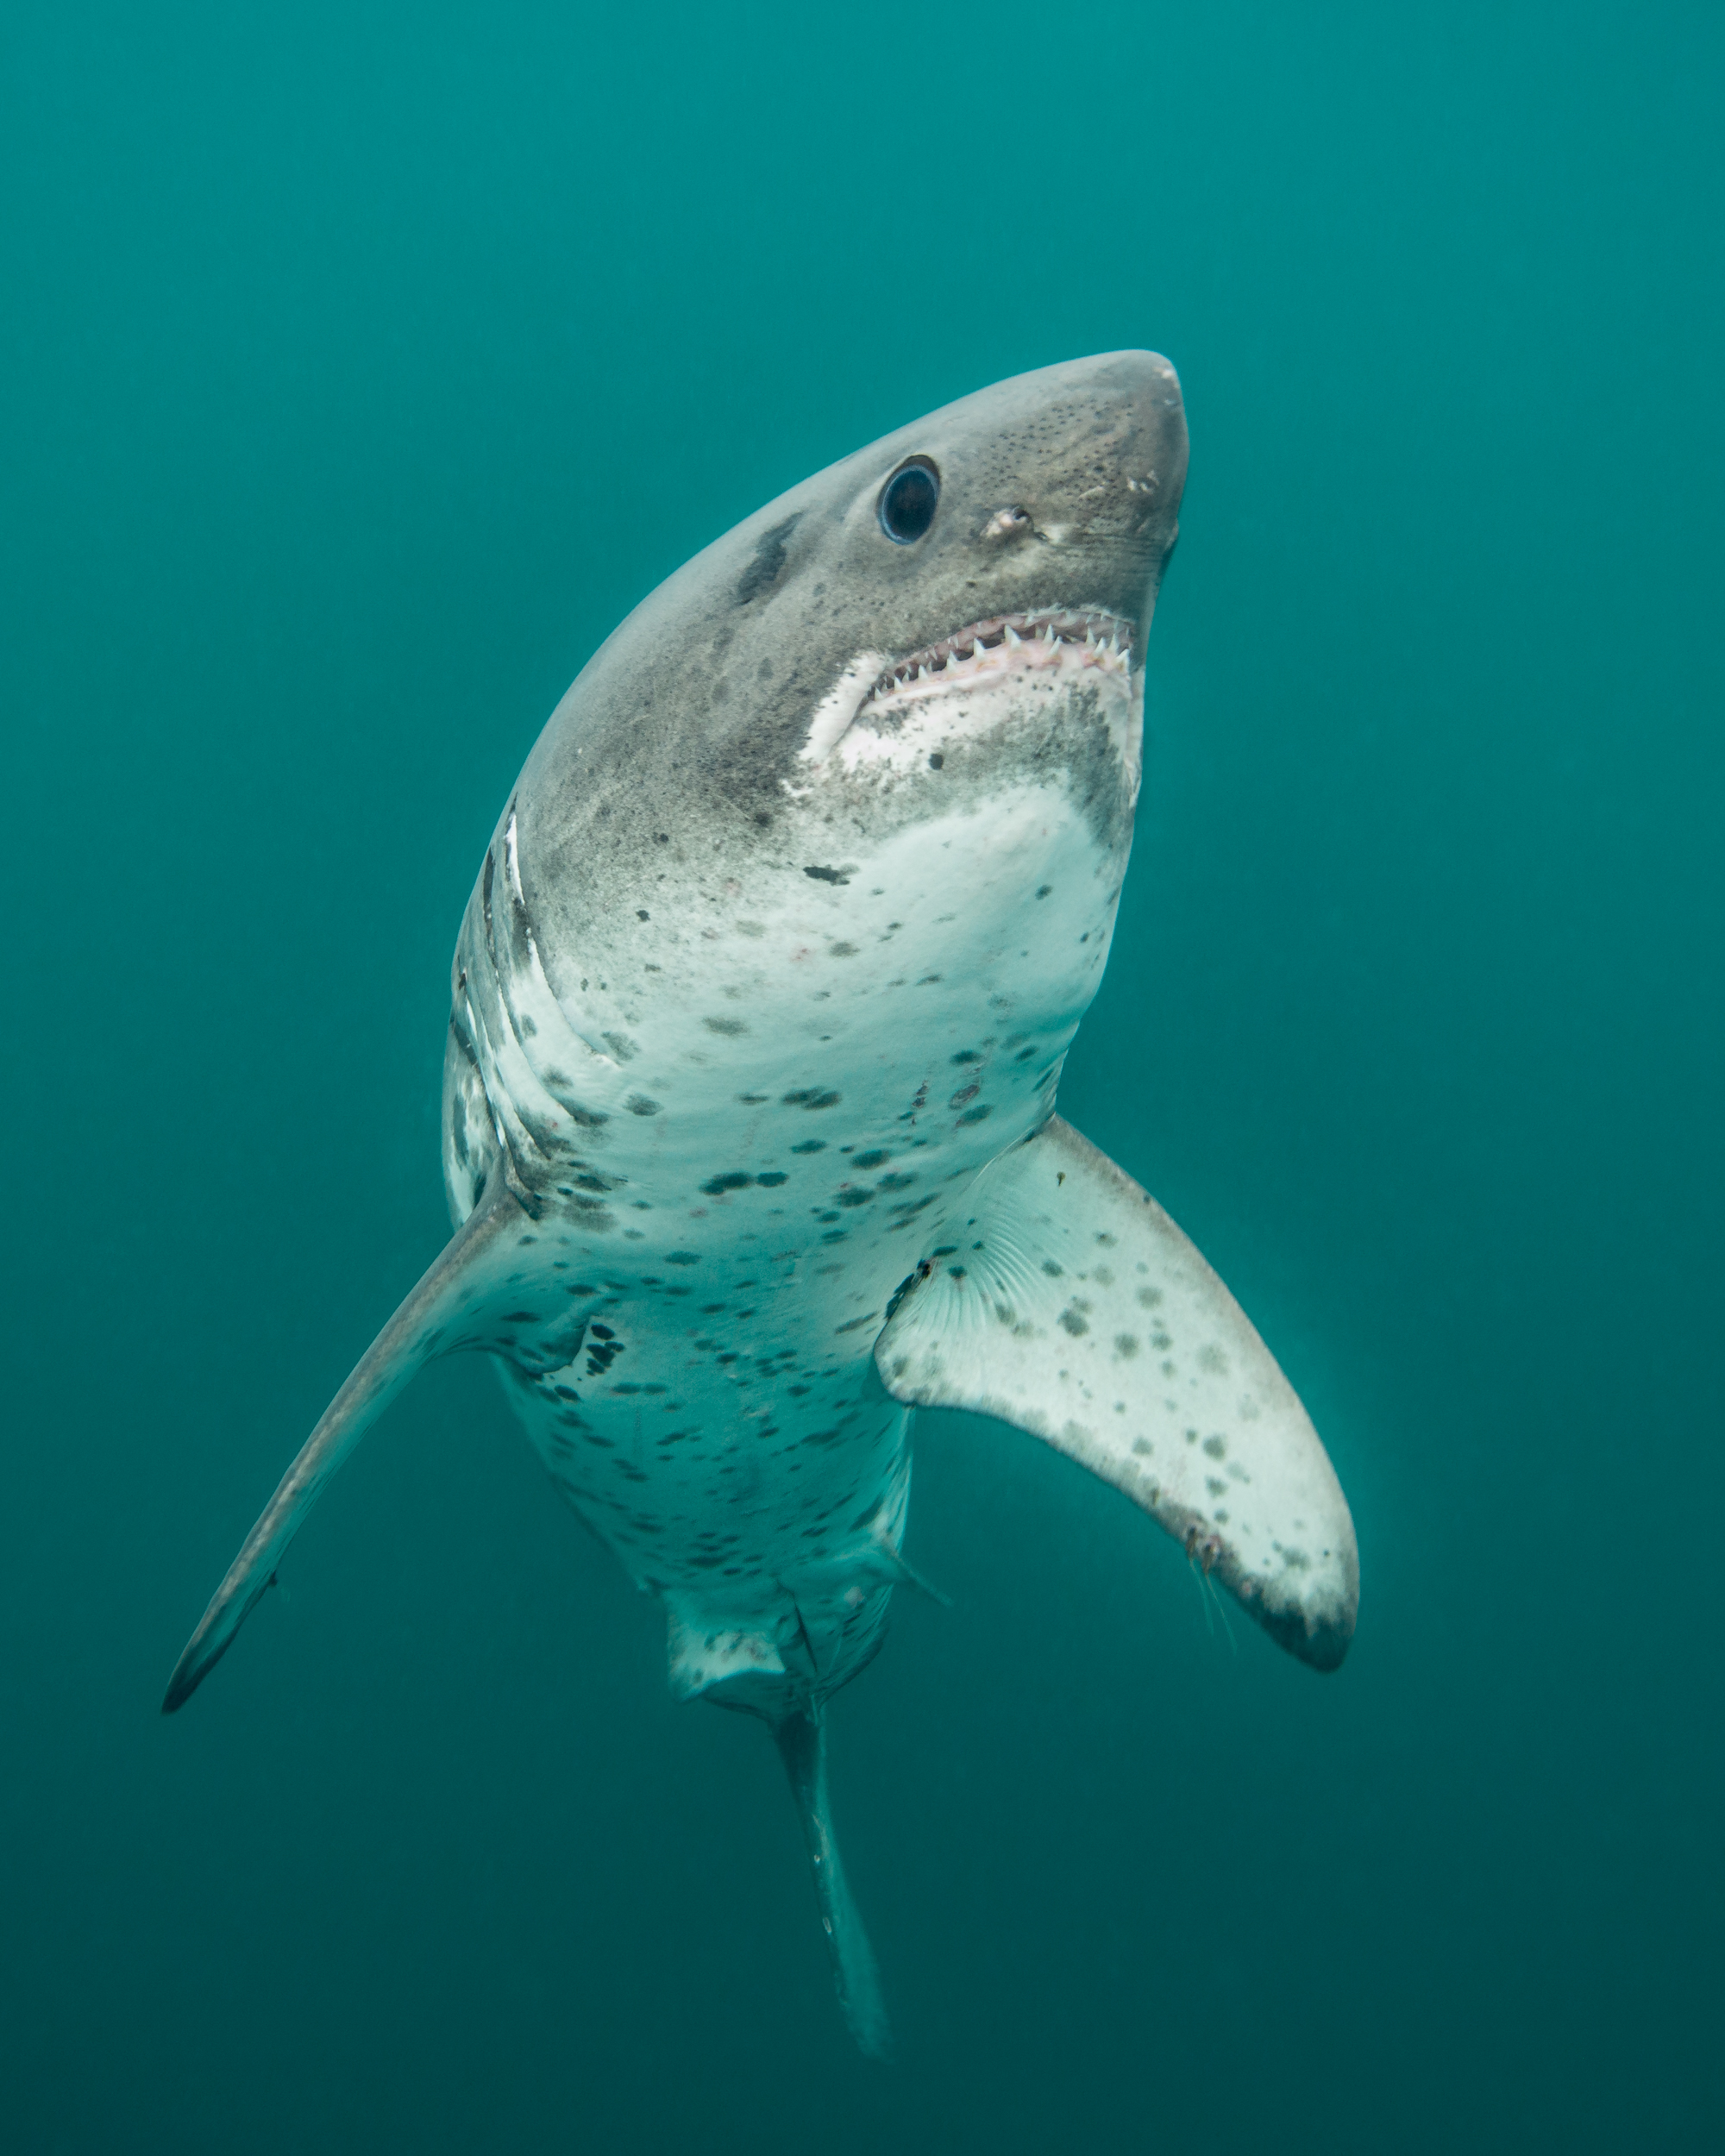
x: 361, y: 367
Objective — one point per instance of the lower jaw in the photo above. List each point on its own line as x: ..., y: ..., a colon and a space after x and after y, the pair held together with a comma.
x: 1016, y: 699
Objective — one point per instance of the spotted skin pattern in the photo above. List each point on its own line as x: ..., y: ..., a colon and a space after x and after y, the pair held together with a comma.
x: 780, y: 942
x: 732, y: 1177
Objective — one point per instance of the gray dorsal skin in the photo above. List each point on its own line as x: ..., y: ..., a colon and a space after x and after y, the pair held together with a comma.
x: 757, y: 1013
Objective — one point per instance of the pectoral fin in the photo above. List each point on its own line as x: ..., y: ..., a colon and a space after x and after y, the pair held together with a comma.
x: 1067, y: 1303
x: 452, y: 1306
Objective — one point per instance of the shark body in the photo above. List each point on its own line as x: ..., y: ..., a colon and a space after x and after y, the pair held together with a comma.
x: 758, y: 1011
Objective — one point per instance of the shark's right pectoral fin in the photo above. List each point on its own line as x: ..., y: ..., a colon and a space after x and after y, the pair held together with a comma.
x: 1065, y: 1302
x: 452, y: 1306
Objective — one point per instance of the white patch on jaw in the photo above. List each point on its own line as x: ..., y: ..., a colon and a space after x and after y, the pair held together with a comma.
x: 841, y: 704
x: 1045, y: 652
x: 1015, y: 659
x: 973, y: 698
x: 937, y: 723
x: 1057, y: 641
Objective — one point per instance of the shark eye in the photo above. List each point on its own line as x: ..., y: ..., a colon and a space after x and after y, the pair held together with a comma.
x: 907, y: 501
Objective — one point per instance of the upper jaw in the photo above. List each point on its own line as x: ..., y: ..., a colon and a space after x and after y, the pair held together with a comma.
x: 1005, y: 644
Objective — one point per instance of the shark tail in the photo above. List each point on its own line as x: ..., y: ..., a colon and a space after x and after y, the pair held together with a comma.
x: 801, y: 1739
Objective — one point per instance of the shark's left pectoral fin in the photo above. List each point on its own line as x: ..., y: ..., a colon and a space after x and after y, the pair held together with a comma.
x: 1065, y: 1302
x: 452, y: 1306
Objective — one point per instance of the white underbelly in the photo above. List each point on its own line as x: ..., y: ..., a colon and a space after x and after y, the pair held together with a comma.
x: 760, y: 1495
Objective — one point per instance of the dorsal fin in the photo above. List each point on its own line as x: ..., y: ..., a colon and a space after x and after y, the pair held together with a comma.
x: 1066, y: 1302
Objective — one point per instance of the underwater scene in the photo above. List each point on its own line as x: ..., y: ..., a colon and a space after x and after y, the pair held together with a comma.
x: 1279, y: 1710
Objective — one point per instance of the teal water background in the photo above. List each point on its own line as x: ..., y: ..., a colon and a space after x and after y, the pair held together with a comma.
x: 359, y: 367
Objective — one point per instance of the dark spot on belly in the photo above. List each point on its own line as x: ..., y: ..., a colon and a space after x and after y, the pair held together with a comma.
x: 682, y: 1258
x: 976, y: 1115
x: 828, y: 875
x: 811, y: 1097
x: 715, y: 1186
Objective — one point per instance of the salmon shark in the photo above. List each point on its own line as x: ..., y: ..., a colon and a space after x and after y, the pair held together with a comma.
x: 758, y: 1015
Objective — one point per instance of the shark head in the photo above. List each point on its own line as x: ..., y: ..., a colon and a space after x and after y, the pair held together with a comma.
x: 884, y: 734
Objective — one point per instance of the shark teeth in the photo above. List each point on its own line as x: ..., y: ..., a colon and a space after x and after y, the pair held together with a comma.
x: 1010, y: 643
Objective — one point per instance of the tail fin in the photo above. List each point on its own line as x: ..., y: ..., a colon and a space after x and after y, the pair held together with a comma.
x: 801, y: 1738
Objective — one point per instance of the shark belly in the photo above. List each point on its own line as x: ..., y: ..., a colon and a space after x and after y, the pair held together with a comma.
x: 747, y: 1468
x: 730, y: 1187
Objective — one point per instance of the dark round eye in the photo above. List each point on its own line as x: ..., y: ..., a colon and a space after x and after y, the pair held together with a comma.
x: 907, y: 501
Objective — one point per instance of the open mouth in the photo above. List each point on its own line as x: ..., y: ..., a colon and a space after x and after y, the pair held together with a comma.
x: 1041, y: 645
x: 1054, y: 637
